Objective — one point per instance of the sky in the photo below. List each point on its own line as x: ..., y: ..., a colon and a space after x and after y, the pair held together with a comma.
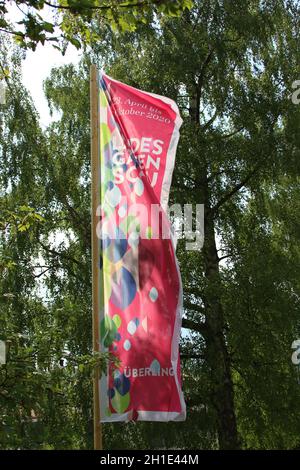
x: 36, y: 68
x: 38, y: 64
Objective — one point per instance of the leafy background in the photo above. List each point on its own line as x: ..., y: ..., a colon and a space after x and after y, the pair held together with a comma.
x: 230, y: 67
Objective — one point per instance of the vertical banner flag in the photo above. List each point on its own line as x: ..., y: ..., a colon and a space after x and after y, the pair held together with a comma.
x: 142, y: 296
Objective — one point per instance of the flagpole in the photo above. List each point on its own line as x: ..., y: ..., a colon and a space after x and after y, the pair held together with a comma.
x: 95, y: 200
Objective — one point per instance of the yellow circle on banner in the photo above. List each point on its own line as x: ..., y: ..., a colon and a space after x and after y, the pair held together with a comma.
x: 103, y: 99
x: 117, y: 320
x: 120, y: 403
x: 105, y: 135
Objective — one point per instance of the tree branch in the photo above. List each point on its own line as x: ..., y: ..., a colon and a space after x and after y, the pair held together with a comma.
x: 195, y: 307
x: 15, y: 33
x: 214, y: 175
x: 41, y: 273
x: 60, y: 254
x: 191, y: 356
x: 210, y: 121
x: 203, y: 68
x: 234, y: 190
x: 227, y: 136
x: 226, y: 256
x: 192, y: 325
x: 141, y: 3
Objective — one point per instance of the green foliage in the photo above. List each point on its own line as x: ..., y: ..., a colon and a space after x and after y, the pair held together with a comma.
x: 45, y: 316
x: 230, y: 66
x: 77, y: 19
x: 19, y: 221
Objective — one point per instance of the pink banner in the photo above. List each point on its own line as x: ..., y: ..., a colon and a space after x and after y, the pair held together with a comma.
x: 141, y: 318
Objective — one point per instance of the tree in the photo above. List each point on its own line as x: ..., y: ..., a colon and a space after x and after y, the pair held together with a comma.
x: 45, y: 383
x: 76, y: 20
x: 230, y: 67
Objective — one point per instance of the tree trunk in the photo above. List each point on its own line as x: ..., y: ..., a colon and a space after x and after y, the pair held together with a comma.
x: 218, y: 360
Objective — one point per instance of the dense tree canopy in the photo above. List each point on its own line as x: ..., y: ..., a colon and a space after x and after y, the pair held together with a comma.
x: 76, y: 21
x: 230, y: 67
